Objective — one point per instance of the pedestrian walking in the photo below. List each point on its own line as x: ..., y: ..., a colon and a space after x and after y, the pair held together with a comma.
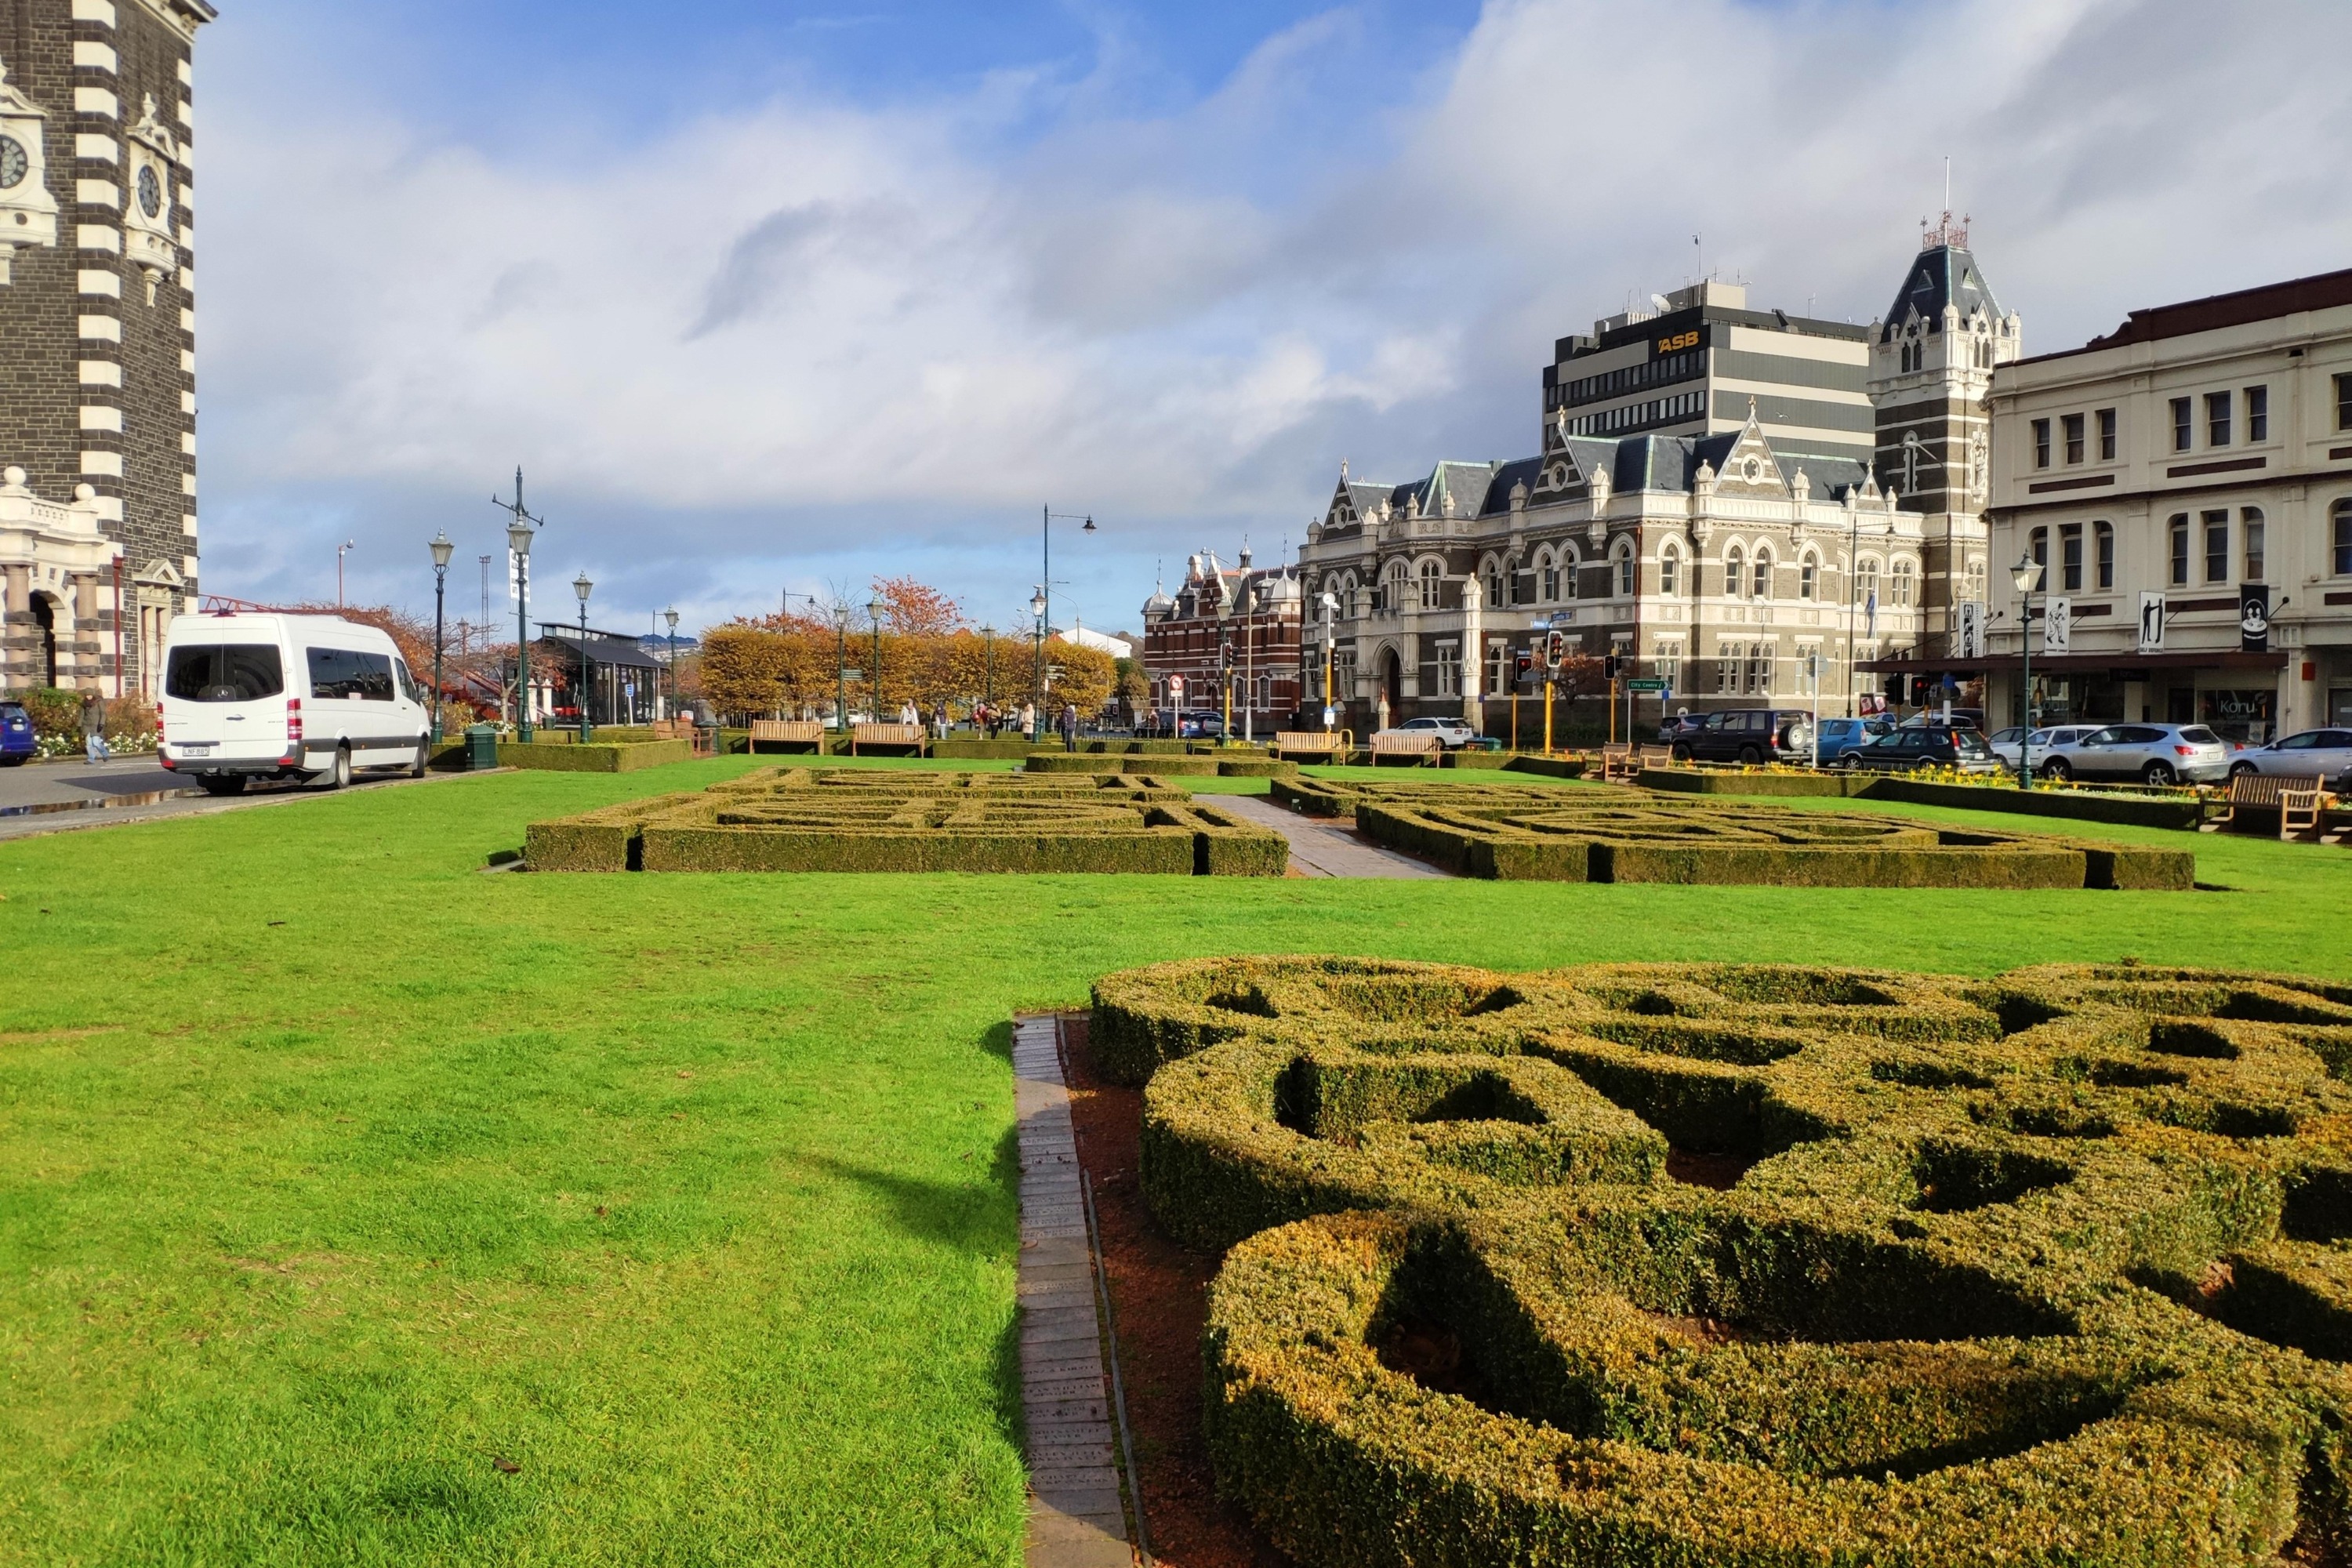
x: 938, y: 720
x: 1029, y: 722
x: 93, y: 728
x: 1069, y: 727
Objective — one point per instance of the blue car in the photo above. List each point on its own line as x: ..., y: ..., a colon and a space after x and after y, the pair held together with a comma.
x: 1840, y: 736
x: 15, y: 735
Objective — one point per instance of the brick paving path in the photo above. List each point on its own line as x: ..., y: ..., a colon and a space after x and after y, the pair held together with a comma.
x: 1075, y: 1517
x: 1323, y: 847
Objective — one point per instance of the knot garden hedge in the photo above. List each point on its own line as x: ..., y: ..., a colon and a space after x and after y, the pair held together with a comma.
x: 1544, y: 833
x: 2045, y: 1268
x: 850, y: 819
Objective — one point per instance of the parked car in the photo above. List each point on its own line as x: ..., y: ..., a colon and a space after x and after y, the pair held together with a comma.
x: 270, y: 695
x: 1453, y: 735
x: 1962, y: 718
x: 1912, y: 746
x: 2152, y: 753
x: 1679, y: 726
x: 1840, y: 736
x: 1205, y: 724
x: 2309, y: 754
x: 2048, y: 742
x: 1749, y: 735
x: 16, y: 742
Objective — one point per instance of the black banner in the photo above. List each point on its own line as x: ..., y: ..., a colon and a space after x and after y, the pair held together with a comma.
x: 2254, y: 616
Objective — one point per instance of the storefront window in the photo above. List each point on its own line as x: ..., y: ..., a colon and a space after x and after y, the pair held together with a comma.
x: 2240, y: 716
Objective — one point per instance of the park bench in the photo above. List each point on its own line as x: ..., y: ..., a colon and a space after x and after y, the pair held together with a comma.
x: 913, y: 735
x: 1424, y: 745
x: 1617, y: 764
x: 1310, y: 743
x: 1655, y: 757
x: 780, y: 732
x: 2295, y: 800
x: 704, y: 736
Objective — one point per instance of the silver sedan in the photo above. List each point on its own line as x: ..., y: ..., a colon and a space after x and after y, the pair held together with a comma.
x: 2152, y: 753
x: 2313, y: 754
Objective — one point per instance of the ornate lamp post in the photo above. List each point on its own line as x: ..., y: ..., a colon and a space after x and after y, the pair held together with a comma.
x: 671, y: 616
x: 1330, y: 643
x: 1038, y: 605
x: 518, y: 537
x: 874, y: 616
x: 988, y: 665
x: 2027, y: 575
x: 442, y: 550
x: 581, y: 586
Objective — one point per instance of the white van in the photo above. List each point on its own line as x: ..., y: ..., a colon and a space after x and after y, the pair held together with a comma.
x: 279, y: 697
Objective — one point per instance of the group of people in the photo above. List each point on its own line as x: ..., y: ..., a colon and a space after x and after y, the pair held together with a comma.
x: 993, y: 720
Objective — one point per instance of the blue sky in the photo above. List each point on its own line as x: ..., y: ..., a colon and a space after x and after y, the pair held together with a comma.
x: 772, y: 297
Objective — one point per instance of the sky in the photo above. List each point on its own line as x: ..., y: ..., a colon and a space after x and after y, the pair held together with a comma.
x: 774, y: 297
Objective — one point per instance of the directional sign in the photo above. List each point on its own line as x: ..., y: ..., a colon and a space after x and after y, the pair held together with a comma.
x: 1647, y: 683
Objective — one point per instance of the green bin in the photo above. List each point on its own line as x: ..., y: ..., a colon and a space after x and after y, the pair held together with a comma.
x: 481, y: 747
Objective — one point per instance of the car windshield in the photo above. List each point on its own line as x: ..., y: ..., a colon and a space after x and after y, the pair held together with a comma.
x: 224, y: 672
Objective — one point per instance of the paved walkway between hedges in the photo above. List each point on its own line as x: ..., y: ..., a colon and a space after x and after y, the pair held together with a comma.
x: 1320, y: 847
x: 1075, y: 1517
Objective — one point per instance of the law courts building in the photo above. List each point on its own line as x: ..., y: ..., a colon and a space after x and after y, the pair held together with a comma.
x: 2187, y: 480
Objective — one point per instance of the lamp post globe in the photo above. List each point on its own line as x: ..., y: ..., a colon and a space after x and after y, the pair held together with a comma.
x: 442, y: 550
x: 581, y: 586
x: 671, y: 616
x: 2027, y: 575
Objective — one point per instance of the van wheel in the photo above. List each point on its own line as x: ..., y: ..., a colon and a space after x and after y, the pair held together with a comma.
x: 1750, y: 755
x: 424, y: 752
x: 218, y: 784
x: 340, y: 775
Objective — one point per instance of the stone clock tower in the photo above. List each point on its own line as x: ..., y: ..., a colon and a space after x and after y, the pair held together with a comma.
x: 98, y: 392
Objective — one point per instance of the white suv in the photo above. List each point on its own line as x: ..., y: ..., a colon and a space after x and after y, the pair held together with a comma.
x: 1451, y: 733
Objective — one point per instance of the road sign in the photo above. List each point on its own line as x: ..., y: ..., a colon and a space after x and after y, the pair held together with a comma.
x: 853, y: 675
x: 1646, y: 683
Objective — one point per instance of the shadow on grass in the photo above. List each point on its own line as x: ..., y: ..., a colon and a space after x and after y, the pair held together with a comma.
x: 997, y: 1040
x: 980, y: 1214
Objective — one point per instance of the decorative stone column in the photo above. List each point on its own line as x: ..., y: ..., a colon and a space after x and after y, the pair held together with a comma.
x: 1473, y: 655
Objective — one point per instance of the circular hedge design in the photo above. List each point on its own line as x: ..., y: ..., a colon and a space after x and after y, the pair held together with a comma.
x: 1722, y: 1264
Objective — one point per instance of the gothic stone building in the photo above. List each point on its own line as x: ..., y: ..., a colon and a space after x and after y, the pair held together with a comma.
x: 1727, y: 556
x: 1242, y: 623
x: 97, y: 526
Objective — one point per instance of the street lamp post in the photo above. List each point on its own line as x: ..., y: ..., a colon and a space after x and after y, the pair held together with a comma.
x: 1226, y: 661
x: 1038, y: 605
x: 345, y: 548
x: 581, y: 586
x: 874, y: 615
x: 1330, y: 644
x: 671, y: 616
x: 2027, y: 575
x: 442, y: 551
x: 518, y: 537
x: 1046, y: 589
x: 988, y: 665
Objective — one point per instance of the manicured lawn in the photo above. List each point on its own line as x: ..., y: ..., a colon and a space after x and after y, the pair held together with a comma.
x: 686, y: 1196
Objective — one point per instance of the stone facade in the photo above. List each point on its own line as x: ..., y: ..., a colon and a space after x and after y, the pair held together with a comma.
x: 1752, y: 562
x: 1252, y: 613
x: 98, y: 385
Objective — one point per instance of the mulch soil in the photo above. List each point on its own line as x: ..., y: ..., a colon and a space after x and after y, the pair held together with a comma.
x: 1159, y: 1294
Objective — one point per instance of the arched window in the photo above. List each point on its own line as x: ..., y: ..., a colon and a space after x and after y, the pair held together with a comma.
x: 1670, y: 570
x: 1490, y: 581
x: 1546, y: 578
x: 2342, y: 540
x: 1735, y: 572
x: 1763, y: 573
x: 1569, y: 562
x: 1809, y: 573
x: 1431, y: 573
x: 1623, y: 555
x: 1865, y: 580
x: 1905, y: 577
x: 1976, y: 590
x: 1394, y: 577
x: 2040, y: 548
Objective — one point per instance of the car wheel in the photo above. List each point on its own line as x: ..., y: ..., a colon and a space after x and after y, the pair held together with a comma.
x: 1750, y: 755
x: 2159, y: 774
x: 340, y: 775
x: 222, y: 784
x: 424, y: 754
x: 14, y: 762
x: 2056, y: 768
x: 2244, y: 770
x: 1682, y: 753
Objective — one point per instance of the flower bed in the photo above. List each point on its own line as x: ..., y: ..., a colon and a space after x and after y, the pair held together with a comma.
x: 818, y: 819
x: 2037, y: 1270
x: 1532, y: 834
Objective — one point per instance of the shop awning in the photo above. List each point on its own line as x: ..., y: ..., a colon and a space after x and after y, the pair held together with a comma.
x: 2125, y: 666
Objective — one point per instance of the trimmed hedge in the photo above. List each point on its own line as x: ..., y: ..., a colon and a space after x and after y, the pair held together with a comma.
x: 1247, y: 767
x: 819, y: 819
x: 1698, y: 781
x: 2045, y: 1268
x: 568, y: 757
x: 2134, y: 811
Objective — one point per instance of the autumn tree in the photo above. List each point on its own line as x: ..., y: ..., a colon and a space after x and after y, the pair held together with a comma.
x: 912, y: 609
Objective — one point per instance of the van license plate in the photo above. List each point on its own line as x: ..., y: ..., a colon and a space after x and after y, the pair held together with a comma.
x: 203, y: 751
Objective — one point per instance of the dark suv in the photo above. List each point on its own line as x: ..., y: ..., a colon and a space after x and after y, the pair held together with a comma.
x: 1924, y: 746
x: 16, y: 743
x: 1746, y: 735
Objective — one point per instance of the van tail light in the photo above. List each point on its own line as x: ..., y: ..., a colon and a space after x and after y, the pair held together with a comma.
x: 159, y: 718
x: 293, y: 720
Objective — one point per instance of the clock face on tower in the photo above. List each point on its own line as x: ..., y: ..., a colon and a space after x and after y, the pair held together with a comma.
x: 12, y: 163
x: 151, y: 192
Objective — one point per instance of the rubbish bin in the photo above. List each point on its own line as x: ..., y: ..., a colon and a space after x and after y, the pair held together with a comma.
x: 481, y: 747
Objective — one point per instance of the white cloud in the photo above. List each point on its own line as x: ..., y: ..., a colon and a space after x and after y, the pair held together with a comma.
x: 754, y: 326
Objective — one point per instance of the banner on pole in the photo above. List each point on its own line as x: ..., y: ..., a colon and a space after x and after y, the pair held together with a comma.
x: 2057, y: 626
x: 1971, y: 629
x: 2151, y: 622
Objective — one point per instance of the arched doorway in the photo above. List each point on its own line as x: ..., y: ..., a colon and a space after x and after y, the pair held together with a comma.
x: 44, y: 616
x: 1392, y: 688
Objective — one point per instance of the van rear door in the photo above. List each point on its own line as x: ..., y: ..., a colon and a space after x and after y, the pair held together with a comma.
x: 225, y: 701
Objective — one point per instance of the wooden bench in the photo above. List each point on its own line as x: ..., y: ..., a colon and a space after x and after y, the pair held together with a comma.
x: 1310, y: 743
x: 1617, y: 765
x: 913, y: 735
x: 1653, y: 757
x: 806, y: 733
x: 2295, y: 800
x: 1424, y: 746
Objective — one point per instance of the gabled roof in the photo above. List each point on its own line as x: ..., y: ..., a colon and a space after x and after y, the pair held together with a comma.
x: 1943, y: 275
x: 2319, y: 292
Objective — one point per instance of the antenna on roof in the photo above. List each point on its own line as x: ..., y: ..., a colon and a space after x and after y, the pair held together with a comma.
x: 1700, y: 251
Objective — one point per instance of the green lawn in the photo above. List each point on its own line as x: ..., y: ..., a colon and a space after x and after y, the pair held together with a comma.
x: 334, y: 1171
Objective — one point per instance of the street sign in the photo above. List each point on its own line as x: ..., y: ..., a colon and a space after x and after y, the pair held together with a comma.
x: 853, y: 675
x: 1646, y: 683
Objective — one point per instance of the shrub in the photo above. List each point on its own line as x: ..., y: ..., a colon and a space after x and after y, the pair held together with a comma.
x: 2013, y: 1270
x: 566, y: 755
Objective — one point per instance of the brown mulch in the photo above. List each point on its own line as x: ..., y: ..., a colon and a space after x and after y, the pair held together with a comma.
x: 1159, y: 1294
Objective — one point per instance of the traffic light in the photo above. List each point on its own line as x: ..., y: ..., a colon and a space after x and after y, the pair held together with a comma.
x: 1555, y: 648
x: 1523, y: 664
x: 1609, y: 665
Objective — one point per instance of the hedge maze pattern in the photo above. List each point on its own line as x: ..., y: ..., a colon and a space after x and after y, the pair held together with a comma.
x: 1541, y: 833
x: 845, y: 819
x: 1756, y: 1265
